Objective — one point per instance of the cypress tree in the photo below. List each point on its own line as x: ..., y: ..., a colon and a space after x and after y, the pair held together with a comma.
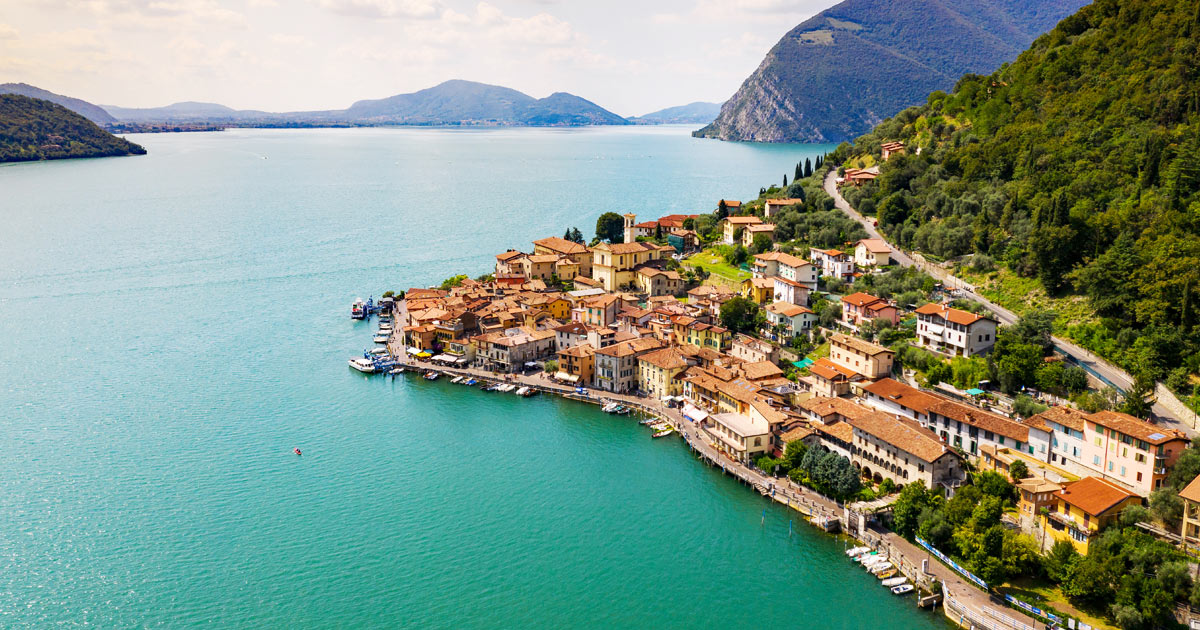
x: 807, y: 167
x: 785, y: 180
x: 722, y: 210
x: 799, y: 172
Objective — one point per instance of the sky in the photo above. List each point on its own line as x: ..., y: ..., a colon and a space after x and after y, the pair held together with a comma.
x: 629, y: 56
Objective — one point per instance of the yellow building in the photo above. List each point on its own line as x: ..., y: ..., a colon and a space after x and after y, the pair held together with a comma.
x: 538, y: 266
x: 865, y: 358
x: 730, y: 226
x: 754, y: 230
x: 614, y: 264
x: 567, y: 249
x: 1191, y: 513
x: 577, y: 365
x: 1082, y: 508
x: 758, y: 290
x: 689, y: 330
x: 658, y: 372
x: 556, y: 305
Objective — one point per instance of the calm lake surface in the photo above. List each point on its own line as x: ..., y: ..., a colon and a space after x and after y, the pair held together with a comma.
x: 172, y: 325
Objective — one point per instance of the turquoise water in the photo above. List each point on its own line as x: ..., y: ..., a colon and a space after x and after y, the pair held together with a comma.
x: 172, y: 325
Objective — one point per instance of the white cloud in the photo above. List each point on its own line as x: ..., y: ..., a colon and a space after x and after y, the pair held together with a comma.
x: 422, y: 9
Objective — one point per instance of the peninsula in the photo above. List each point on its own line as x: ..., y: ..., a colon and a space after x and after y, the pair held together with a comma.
x: 35, y: 129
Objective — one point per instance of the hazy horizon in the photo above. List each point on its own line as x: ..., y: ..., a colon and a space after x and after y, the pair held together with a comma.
x: 308, y: 55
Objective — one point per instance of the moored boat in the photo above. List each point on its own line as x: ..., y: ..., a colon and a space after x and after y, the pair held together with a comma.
x: 431, y: 376
x: 397, y: 370
x: 381, y: 338
x: 880, y: 568
x: 456, y: 380
x: 896, y: 581
x: 522, y: 390
x: 366, y: 366
x: 857, y: 551
x: 358, y: 310
x: 664, y: 433
x: 902, y: 589
x: 884, y: 575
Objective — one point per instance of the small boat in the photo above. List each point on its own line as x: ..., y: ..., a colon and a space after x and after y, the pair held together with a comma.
x: 378, y: 351
x: 649, y: 421
x: 874, y: 561
x: 366, y: 366
x: 521, y: 390
x: 456, y: 380
x: 358, y: 310
x: 385, y: 328
x: 385, y: 319
x: 470, y: 382
x: 381, y: 338
x: 857, y: 551
x: 396, y: 370
x: 866, y: 556
x: 529, y: 391
x: 880, y: 568
x: 896, y: 581
x: 902, y: 589
x: 884, y: 575
x: 622, y: 410
x: 431, y: 376
x: 610, y: 407
x: 507, y: 387
x: 663, y: 433
x: 296, y: 451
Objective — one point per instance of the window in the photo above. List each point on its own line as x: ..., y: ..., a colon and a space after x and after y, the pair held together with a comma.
x: 1095, y: 460
x: 1078, y: 536
x: 1139, y: 477
x: 1110, y: 466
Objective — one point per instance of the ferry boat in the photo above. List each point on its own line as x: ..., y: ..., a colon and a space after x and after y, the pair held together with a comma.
x: 902, y: 589
x: 358, y: 310
x: 366, y: 366
x: 381, y: 338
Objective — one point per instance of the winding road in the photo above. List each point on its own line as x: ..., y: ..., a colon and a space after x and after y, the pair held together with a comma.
x: 1098, y: 368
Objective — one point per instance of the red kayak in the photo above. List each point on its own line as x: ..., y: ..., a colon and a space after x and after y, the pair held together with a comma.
x: 296, y: 451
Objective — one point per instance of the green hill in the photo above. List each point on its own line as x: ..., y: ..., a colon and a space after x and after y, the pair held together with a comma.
x: 1075, y: 167
x: 844, y: 70
x: 36, y: 129
x: 94, y: 113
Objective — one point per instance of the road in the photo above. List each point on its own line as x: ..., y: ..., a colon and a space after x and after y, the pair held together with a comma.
x: 1099, y: 369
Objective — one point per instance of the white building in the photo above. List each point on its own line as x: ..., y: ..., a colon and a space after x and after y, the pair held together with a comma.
x: 954, y: 332
x: 786, y: 266
x: 832, y: 263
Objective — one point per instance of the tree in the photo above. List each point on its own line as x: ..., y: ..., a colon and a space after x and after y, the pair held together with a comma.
x: 808, y: 170
x: 794, y: 452
x: 762, y: 243
x: 550, y: 367
x: 610, y: 227
x: 906, y: 511
x: 1035, y: 327
x: 722, y: 209
x: 658, y: 233
x: 1061, y: 561
x: 799, y: 172
x: 1139, y: 399
x: 453, y: 281
x: 741, y: 315
x: 1018, y: 470
x: 1166, y: 506
x: 1186, y: 468
x: 785, y: 180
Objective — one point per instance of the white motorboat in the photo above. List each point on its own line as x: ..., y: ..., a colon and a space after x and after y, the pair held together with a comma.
x: 867, y: 557
x: 456, y: 380
x: 880, y: 568
x: 857, y: 551
x: 381, y: 338
x: 366, y: 366
x: 378, y: 351
x: 358, y: 310
x: 385, y: 328
x: 521, y: 391
x: 896, y: 581
x: 902, y: 589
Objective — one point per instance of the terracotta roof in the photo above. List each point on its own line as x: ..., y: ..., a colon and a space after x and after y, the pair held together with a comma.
x: 892, y: 146
x: 963, y: 318
x: 828, y: 252
x: 542, y: 258
x: 785, y: 202
x: 761, y: 227
x: 561, y: 245
x: 860, y: 299
x: 1135, y: 427
x: 875, y: 245
x: 732, y: 203
x: 761, y: 369
x: 858, y: 345
x: 1038, y: 484
x: 903, y: 395
x: 902, y: 434
x: 985, y: 420
x: 572, y: 328
x: 631, y: 347
x: 830, y: 371
x: 782, y: 258
x: 824, y: 407
x: 666, y: 358
x: 507, y: 256
x: 795, y: 433
x: 786, y: 309
x: 581, y: 350
x: 843, y: 431
x: 628, y: 248
x: 1093, y: 495
x: 788, y: 281
x: 750, y: 220
x: 1191, y: 492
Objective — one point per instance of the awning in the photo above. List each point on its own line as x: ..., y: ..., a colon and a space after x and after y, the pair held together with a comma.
x: 563, y: 376
x: 531, y: 364
x: 803, y: 363
x: 424, y: 355
x: 414, y: 351
x: 445, y: 358
x: 975, y: 391
x: 691, y: 412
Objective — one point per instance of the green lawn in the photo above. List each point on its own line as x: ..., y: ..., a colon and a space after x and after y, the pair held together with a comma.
x: 1021, y: 295
x: 717, y: 266
x: 1044, y: 595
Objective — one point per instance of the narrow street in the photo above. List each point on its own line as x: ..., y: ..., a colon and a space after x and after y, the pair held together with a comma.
x: 1098, y: 367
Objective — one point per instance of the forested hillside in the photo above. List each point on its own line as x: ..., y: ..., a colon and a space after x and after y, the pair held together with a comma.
x: 1076, y: 165
x: 34, y: 129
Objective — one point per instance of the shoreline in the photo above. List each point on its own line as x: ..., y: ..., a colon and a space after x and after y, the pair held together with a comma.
x: 936, y: 584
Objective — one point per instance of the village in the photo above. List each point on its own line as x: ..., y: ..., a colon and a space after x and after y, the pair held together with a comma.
x: 777, y: 362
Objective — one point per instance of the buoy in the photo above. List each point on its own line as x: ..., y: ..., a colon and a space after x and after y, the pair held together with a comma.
x: 296, y: 451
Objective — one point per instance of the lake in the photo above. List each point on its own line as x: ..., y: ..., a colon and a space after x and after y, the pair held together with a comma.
x: 174, y: 324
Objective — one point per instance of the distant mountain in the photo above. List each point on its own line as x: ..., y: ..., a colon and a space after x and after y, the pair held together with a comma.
x: 458, y: 102
x: 450, y: 103
x: 37, y: 129
x: 692, y: 114
x: 94, y: 113
x: 843, y: 71
x: 188, y: 111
